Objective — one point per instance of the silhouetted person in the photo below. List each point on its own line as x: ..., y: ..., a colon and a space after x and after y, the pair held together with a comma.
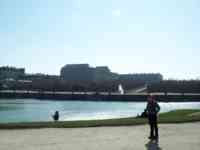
x: 152, y: 110
x: 56, y: 116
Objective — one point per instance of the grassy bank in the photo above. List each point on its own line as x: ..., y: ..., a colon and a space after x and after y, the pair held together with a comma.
x: 178, y: 116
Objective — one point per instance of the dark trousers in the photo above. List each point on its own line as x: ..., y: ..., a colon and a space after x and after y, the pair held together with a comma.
x: 153, y: 125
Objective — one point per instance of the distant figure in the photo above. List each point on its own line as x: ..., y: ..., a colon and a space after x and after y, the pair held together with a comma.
x: 56, y: 116
x: 152, y: 110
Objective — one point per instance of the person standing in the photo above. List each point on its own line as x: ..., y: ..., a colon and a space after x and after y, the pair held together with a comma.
x: 152, y: 109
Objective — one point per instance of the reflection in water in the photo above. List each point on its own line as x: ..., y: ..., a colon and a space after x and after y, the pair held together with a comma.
x: 10, y: 107
x: 6, y: 108
x: 153, y: 145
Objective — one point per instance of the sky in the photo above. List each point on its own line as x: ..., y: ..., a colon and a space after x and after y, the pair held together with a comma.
x: 129, y: 36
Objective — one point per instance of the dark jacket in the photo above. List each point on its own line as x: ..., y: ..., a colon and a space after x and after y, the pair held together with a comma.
x: 152, y: 108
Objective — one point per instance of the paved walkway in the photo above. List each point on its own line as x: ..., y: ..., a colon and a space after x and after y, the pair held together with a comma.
x: 172, y: 137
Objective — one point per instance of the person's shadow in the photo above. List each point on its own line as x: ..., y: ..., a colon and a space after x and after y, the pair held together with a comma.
x: 153, y: 145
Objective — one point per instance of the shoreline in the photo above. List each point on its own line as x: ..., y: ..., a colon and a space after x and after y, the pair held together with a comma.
x: 178, y: 116
x: 141, y: 97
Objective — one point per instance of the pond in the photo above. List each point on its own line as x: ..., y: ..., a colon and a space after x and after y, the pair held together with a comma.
x: 29, y: 110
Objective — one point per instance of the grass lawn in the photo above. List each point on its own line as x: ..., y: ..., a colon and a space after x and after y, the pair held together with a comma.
x: 177, y: 116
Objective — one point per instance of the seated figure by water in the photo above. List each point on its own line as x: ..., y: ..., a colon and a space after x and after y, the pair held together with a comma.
x: 56, y: 116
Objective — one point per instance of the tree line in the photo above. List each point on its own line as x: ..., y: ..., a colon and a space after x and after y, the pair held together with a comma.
x: 175, y: 86
x: 62, y: 85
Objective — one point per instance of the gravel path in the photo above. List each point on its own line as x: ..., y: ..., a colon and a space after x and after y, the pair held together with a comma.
x: 172, y: 136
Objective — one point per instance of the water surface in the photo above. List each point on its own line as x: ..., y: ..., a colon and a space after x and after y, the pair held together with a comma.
x: 27, y: 110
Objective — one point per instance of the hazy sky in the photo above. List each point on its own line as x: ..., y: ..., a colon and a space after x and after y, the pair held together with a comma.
x: 129, y: 36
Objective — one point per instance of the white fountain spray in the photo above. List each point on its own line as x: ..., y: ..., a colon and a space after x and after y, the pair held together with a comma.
x: 120, y: 89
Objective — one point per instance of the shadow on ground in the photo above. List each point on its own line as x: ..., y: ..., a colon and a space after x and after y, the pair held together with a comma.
x: 153, y: 145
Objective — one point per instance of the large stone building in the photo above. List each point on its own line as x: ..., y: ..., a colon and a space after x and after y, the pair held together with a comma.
x: 85, y: 73
x: 103, y: 73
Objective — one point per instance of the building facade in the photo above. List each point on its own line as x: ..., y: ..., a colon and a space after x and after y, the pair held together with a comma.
x: 85, y: 73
